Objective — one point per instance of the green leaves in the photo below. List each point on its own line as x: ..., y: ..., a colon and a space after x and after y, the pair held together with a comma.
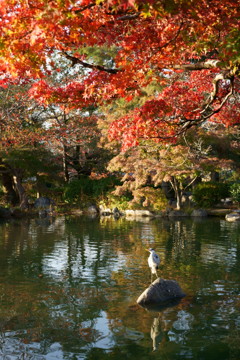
x: 209, y: 194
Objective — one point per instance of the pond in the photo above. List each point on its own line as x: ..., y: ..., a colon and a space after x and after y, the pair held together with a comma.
x: 68, y: 289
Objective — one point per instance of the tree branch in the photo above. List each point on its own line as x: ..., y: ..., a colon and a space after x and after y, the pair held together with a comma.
x: 168, y: 42
x: 213, y: 95
x: 203, y: 65
x: 83, y: 8
x: 76, y: 60
x: 123, y: 17
x: 191, y: 182
x: 208, y: 112
x: 128, y: 17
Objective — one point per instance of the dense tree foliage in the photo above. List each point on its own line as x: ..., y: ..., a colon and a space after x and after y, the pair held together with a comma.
x: 191, y: 48
x: 169, y: 65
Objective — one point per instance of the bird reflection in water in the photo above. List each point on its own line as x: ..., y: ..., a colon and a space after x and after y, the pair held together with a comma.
x: 156, y: 333
x: 161, y: 325
x: 159, y: 331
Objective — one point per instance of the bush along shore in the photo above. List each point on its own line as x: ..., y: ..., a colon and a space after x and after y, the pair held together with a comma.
x: 206, y: 199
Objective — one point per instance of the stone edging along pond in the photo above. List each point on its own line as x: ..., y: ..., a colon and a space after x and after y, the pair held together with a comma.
x: 229, y: 214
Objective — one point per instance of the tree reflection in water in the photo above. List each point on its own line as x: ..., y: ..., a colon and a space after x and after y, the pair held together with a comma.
x: 69, y: 287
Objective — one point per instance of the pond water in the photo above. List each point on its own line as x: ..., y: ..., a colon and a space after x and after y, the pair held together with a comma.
x: 68, y: 289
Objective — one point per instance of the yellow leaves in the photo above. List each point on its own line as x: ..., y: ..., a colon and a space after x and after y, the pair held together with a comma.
x: 147, y: 13
x: 235, y: 67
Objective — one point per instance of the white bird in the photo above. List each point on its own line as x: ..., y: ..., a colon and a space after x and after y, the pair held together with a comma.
x: 153, y: 261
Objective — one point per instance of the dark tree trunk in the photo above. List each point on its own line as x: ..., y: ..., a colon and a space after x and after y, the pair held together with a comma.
x: 65, y: 164
x: 8, y: 187
x: 215, y: 177
x: 81, y: 165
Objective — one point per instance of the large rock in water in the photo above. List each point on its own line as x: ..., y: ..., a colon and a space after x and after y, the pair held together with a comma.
x: 161, y: 291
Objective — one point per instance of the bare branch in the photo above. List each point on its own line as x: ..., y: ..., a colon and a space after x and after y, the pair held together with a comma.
x: 128, y: 17
x: 203, y: 65
x: 83, y: 8
x: 188, y: 185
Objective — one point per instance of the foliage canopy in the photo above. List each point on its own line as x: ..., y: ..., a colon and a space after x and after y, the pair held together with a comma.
x: 117, y: 47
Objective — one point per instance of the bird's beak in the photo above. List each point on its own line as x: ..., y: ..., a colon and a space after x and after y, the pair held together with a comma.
x: 147, y: 250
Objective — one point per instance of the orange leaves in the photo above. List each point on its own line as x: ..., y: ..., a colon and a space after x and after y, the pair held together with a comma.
x: 40, y: 91
x: 67, y: 25
x: 149, y: 39
x: 36, y: 35
x: 161, y: 117
x: 147, y: 122
x: 70, y: 95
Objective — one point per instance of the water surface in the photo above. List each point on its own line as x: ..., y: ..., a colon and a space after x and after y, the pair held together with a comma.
x: 68, y: 289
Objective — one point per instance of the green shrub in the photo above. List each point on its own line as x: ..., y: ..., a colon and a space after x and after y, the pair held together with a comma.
x: 235, y: 192
x: 150, y: 198
x: 114, y: 201
x: 210, y: 193
x: 86, y: 189
x: 144, y: 198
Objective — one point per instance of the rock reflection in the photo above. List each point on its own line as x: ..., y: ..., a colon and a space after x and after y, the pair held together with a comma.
x: 161, y: 324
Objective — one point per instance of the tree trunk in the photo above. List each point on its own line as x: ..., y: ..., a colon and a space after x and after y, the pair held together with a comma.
x: 8, y: 188
x: 23, y: 198
x: 215, y: 177
x: 178, y: 192
x: 65, y: 164
x: 76, y: 161
x: 179, y: 199
x: 81, y: 163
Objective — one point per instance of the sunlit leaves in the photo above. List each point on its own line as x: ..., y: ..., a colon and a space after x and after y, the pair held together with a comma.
x: 116, y: 48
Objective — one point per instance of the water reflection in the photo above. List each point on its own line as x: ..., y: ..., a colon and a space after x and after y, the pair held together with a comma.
x: 161, y: 329
x: 68, y: 289
x: 161, y: 325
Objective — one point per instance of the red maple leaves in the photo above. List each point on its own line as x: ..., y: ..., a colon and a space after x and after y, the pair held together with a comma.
x: 181, y: 45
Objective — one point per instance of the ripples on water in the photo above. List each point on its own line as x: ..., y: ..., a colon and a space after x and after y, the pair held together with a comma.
x: 69, y: 289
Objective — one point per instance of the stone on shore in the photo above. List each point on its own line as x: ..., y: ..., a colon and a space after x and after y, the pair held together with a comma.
x: 234, y: 216
x: 177, y: 213
x: 139, y: 213
x: 199, y: 213
x: 43, y: 203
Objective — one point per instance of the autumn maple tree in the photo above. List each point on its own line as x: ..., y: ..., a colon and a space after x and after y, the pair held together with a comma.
x: 182, y: 165
x: 20, y: 134
x: 191, y: 48
x: 152, y: 70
